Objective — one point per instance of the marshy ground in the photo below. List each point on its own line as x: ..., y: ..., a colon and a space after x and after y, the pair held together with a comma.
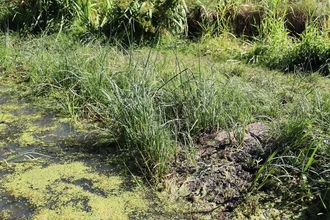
x: 64, y: 171
x: 164, y: 109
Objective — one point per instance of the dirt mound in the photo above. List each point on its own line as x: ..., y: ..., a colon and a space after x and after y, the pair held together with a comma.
x: 224, y: 167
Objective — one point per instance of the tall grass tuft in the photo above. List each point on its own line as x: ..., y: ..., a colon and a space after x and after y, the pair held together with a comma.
x: 139, y: 125
x: 299, y: 161
x: 292, y: 43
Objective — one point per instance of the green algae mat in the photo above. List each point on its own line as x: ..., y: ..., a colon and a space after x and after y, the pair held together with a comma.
x: 72, y: 191
x: 44, y: 175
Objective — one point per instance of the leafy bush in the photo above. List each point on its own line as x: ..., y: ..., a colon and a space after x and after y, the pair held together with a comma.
x: 144, y: 20
x: 124, y: 20
x: 35, y: 16
x: 312, y: 54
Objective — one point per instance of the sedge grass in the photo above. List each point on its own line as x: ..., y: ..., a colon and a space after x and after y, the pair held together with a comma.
x: 154, y: 100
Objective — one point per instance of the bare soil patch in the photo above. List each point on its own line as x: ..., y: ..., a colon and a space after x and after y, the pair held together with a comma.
x: 224, y: 168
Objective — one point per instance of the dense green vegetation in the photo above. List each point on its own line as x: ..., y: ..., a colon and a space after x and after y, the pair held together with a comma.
x: 156, y: 74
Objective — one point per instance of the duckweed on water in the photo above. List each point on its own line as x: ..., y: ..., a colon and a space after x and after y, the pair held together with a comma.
x: 73, y: 191
x: 57, y: 191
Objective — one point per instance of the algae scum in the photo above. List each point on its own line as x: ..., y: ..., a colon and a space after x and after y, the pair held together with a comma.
x: 43, y: 178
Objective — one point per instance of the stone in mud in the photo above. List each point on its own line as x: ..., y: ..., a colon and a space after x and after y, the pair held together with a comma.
x: 254, y: 135
x: 258, y: 130
x: 225, y: 138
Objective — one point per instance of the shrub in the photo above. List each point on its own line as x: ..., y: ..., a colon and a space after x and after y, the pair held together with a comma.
x: 124, y: 20
x: 36, y: 16
x: 140, y: 21
x: 310, y: 55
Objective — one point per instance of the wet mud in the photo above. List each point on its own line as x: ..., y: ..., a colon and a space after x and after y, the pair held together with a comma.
x: 221, y: 174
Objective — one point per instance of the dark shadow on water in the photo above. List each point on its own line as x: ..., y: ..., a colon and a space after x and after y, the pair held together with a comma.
x: 18, y: 208
x: 26, y: 110
x: 53, y: 136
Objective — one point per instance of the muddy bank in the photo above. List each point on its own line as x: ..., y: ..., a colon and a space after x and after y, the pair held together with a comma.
x: 222, y: 172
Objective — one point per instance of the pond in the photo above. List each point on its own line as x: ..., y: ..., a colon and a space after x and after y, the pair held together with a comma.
x: 50, y: 170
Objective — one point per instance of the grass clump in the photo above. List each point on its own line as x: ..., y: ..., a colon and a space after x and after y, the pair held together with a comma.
x: 292, y: 39
x: 311, y: 54
x: 138, y: 124
x: 297, y: 165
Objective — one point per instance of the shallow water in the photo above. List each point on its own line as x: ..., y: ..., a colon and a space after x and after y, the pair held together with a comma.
x: 56, y: 178
x: 16, y: 137
x: 20, y: 209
